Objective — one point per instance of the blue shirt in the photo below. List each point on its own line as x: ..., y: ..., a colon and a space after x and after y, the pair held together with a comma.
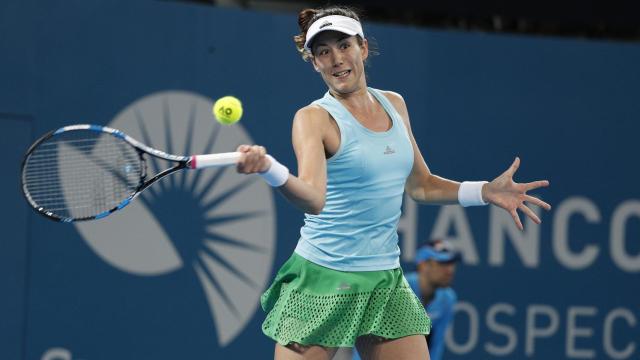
x: 440, y: 311
x: 357, y: 228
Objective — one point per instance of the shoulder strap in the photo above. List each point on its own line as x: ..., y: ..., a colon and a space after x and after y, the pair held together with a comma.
x: 389, y: 108
x: 333, y: 107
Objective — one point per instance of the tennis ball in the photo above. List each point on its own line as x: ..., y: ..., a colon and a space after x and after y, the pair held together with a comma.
x: 227, y: 110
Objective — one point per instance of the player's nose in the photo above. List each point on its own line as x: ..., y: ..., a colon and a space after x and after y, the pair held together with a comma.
x: 337, y: 58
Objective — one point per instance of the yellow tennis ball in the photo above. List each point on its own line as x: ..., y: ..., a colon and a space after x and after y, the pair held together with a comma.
x: 227, y: 110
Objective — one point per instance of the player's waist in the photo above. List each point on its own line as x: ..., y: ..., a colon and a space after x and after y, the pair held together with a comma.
x: 359, y: 210
x: 363, y: 259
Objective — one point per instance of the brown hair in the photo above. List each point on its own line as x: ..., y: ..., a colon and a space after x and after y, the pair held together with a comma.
x: 307, y: 17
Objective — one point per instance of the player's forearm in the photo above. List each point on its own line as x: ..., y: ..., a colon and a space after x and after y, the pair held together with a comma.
x: 434, y: 190
x: 304, y: 195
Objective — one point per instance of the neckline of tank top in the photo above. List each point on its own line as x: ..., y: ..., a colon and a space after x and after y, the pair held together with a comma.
x: 366, y: 130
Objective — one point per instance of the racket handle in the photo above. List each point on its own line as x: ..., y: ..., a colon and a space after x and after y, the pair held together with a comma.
x: 213, y: 160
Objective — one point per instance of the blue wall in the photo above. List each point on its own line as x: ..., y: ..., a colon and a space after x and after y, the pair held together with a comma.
x: 568, y: 108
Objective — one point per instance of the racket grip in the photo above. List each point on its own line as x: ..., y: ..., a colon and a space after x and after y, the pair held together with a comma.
x: 213, y: 160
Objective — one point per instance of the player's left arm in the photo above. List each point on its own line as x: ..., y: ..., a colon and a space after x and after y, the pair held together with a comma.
x: 424, y: 187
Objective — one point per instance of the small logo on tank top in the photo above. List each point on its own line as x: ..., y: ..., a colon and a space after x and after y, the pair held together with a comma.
x: 388, y: 150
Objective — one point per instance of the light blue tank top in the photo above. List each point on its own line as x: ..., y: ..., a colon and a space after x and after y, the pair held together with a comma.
x: 357, y: 229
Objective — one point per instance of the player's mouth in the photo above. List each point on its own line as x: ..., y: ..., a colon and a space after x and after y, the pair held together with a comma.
x: 341, y: 74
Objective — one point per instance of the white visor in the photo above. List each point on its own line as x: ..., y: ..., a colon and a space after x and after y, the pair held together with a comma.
x: 343, y: 24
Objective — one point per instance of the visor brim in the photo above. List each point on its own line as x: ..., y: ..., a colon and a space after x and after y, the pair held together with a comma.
x: 309, y: 43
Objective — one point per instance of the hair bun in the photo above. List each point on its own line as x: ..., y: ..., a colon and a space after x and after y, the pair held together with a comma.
x: 304, y: 18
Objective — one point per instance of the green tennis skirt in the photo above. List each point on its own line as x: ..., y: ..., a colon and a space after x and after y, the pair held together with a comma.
x: 310, y: 304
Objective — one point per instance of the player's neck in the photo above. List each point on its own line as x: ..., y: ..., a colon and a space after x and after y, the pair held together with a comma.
x: 357, y: 101
x: 358, y: 96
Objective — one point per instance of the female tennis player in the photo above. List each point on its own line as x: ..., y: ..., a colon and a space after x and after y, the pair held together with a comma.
x: 356, y: 156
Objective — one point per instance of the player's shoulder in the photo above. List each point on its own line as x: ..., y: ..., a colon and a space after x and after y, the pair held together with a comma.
x: 311, y: 112
x: 395, y: 98
x: 397, y: 101
x: 392, y: 95
x: 311, y: 118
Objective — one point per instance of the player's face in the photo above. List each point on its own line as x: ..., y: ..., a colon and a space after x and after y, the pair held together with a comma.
x: 340, y: 60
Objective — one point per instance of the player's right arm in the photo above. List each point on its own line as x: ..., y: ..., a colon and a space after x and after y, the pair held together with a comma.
x: 307, y: 190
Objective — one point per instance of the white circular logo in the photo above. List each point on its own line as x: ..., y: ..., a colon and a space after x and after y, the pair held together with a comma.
x: 214, y: 222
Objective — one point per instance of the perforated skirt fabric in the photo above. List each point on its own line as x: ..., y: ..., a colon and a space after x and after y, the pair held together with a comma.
x: 310, y: 304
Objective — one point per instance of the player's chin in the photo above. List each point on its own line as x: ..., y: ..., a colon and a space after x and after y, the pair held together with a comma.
x: 344, y: 87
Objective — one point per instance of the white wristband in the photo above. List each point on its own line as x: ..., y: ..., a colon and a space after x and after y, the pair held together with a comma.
x: 470, y: 193
x: 277, y: 174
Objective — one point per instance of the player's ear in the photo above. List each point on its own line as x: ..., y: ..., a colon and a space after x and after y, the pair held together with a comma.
x: 364, y: 49
x: 315, y: 66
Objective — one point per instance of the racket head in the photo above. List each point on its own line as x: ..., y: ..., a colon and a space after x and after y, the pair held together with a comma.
x: 81, y: 172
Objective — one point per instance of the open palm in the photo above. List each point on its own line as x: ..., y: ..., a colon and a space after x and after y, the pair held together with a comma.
x: 511, y: 196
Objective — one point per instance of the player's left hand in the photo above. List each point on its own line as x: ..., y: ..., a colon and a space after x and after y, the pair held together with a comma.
x: 511, y: 196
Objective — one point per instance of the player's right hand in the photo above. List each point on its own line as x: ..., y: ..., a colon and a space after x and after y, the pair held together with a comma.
x: 253, y: 159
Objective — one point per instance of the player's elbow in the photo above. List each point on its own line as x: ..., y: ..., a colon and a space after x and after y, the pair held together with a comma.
x: 315, y: 208
x: 416, y: 193
x: 316, y: 201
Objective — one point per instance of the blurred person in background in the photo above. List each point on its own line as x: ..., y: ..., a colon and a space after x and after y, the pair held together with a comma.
x: 435, y: 268
x: 431, y: 282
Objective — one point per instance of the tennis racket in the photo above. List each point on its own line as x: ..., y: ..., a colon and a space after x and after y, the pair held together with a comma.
x: 86, y: 172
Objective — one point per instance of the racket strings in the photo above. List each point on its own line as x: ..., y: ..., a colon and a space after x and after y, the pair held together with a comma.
x: 82, y: 173
x: 44, y: 160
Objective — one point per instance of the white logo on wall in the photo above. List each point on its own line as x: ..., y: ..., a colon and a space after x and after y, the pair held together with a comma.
x: 215, y: 222
x: 57, y: 354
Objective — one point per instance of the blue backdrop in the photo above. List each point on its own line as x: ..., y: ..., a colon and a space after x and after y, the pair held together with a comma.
x: 568, y: 108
